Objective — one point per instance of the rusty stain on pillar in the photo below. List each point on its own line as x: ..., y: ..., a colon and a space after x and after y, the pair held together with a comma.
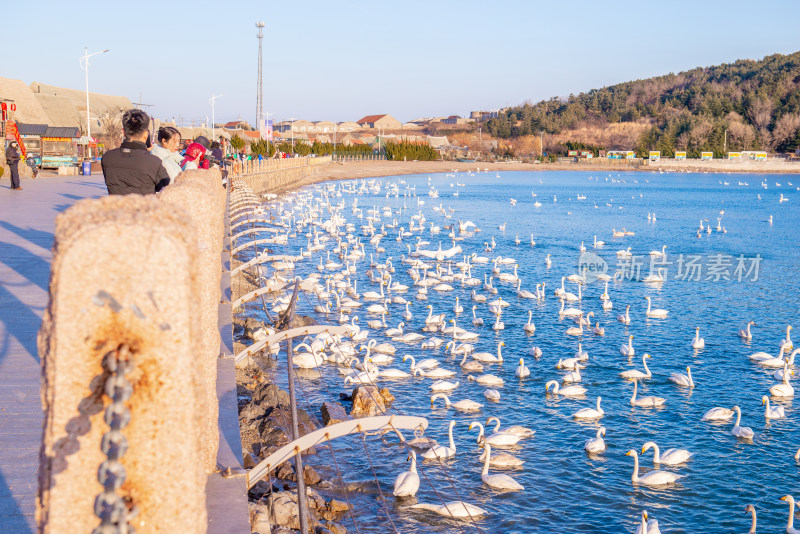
x: 195, y: 193
x: 123, y: 272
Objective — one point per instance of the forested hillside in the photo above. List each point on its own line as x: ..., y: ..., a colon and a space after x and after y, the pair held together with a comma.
x: 756, y: 102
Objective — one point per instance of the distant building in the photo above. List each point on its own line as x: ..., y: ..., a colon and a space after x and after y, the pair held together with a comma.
x: 452, y: 119
x: 380, y: 121
x: 348, y: 126
x: 482, y: 115
x: 323, y: 126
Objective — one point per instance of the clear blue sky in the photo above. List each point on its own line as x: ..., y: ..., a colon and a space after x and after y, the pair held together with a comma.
x: 346, y: 59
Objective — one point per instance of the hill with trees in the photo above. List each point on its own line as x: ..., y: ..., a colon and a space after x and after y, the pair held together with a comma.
x: 745, y: 105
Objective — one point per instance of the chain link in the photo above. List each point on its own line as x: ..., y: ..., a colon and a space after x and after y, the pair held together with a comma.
x: 114, y: 510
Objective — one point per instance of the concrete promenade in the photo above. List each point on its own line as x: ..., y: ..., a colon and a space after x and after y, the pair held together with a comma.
x: 27, y: 222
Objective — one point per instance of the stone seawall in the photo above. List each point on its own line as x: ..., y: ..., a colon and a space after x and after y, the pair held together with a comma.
x: 277, y: 176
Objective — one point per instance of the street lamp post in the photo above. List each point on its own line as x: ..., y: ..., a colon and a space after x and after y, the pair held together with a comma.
x: 213, y: 101
x: 725, y: 143
x: 292, y: 119
x: 85, y: 61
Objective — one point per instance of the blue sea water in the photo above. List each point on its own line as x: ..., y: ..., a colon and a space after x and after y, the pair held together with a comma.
x: 565, y: 489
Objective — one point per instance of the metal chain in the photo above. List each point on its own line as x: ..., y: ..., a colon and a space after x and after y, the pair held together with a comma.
x: 114, y: 510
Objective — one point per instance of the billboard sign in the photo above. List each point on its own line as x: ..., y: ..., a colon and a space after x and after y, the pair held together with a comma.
x: 761, y: 156
x: 680, y: 155
x: 734, y: 155
x: 265, y: 129
x: 655, y: 155
x: 706, y: 156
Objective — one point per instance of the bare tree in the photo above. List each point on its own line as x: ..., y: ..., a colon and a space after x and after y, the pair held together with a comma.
x: 760, y: 112
x: 111, y: 133
x: 786, y: 128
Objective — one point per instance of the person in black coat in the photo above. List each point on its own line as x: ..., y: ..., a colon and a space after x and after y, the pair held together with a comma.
x: 131, y: 168
x: 12, y: 159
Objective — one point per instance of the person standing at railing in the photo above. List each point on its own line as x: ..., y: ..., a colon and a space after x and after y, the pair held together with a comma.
x: 131, y: 168
x: 12, y: 159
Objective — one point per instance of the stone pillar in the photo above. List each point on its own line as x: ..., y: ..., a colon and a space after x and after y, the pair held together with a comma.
x: 201, y: 195
x: 123, y: 272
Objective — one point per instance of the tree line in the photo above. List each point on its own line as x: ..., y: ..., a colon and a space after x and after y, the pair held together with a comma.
x: 745, y: 105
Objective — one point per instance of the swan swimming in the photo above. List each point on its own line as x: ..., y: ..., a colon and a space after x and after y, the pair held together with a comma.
x: 741, y: 431
x: 669, y: 456
x: 652, y: 478
x: 497, y: 481
x: 596, y: 444
x: 407, y: 483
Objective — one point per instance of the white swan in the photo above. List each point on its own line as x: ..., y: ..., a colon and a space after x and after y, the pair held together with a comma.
x: 521, y: 431
x: 476, y: 321
x: 625, y: 318
x: 627, y: 348
x: 745, y: 333
x: 590, y: 413
x: 442, y: 452
x: 471, y: 366
x: 659, y: 253
x: 454, y: 509
x: 576, y: 330
x: 444, y: 385
x: 645, y: 402
x: 488, y: 357
x: 653, y: 478
x: 681, y: 379
x: 433, y: 319
x: 787, y: 343
x: 487, y: 380
x: 763, y: 356
x: 784, y: 389
x: 464, y: 405
x: 522, y: 371
x: 407, y: 483
x: 741, y: 431
x: 669, y: 456
x: 717, y: 414
x: 648, y: 526
x: 523, y: 293
x: 498, y: 324
x: 635, y: 374
x: 658, y: 313
x: 698, y: 342
x: 750, y: 509
x: 423, y: 365
x: 568, y: 391
x: 772, y: 412
x: 529, y: 327
x: 573, y: 376
x: 596, y: 444
x: 790, y: 525
x: 498, y: 439
x: 497, y: 481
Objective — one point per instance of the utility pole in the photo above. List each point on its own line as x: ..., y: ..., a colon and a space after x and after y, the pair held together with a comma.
x: 725, y: 144
x: 259, y: 89
x: 85, y: 63
x: 213, y: 101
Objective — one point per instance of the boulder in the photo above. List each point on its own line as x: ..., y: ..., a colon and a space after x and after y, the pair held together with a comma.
x: 269, y: 396
x: 286, y: 472
x: 367, y: 402
x: 387, y: 395
x: 332, y: 413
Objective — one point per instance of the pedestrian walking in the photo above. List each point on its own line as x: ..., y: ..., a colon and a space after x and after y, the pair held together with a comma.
x: 12, y: 159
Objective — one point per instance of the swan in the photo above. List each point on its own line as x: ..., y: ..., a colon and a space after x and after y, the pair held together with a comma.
x: 307, y: 360
x: 745, y: 333
x: 476, y: 321
x: 497, y: 481
x: 498, y: 439
x: 775, y: 363
x: 423, y: 365
x: 625, y: 318
x: 433, y: 319
x: 372, y: 295
x: 458, y: 308
x: 598, y: 243
x: 659, y: 253
x: 536, y: 352
x: 787, y: 343
x: 444, y: 385
x: 635, y: 374
x: 624, y: 253
x: 581, y: 354
x: 645, y: 402
x: 599, y: 330
x: 487, y: 380
x: 492, y: 395
x: 763, y: 356
x: 407, y: 314
x: 517, y: 430
x: 681, y: 379
x: 569, y: 312
x: 648, y: 526
x: 576, y: 330
x: 437, y: 373
x: 750, y: 509
x: 442, y: 452
x: 653, y: 478
x: 395, y: 332
x: 590, y: 413
x: 741, y: 431
x: 627, y: 348
x: 596, y: 444
x: 669, y: 456
x: 478, y: 298
x: 498, y: 324
x: 773, y: 412
x: 784, y: 389
x: 656, y: 312
x: 790, y: 525
x: 529, y: 327
x: 471, y: 366
x: 568, y: 391
x: 698, y: 342
x: 569, y: 363
x: 454, y: 509
x: 488, y: 357
x: 559, y: 291
x: 717, y: 414
x: 524, y: 293
x: 573, y: 376
x: 655, y: 278
x: 407, y: 483
x: 522, y: 371
x: 463, y: 405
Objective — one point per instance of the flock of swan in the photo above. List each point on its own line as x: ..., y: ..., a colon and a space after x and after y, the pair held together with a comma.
x: 429, y: 286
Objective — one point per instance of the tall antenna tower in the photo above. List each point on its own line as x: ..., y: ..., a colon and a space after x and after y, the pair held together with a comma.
x: 259, y: 89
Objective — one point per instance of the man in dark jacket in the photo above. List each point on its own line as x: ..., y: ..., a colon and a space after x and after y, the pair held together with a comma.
x: 12, y: 159
x: 131, y: 168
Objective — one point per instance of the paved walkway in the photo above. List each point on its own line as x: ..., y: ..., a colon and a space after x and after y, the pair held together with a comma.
x: 27, y: 221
